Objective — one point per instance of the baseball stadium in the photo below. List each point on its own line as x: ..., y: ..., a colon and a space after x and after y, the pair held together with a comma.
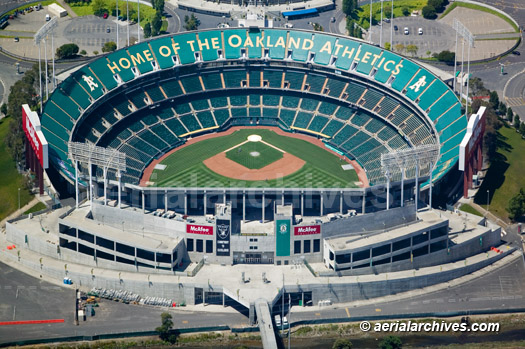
x: 193, y: 154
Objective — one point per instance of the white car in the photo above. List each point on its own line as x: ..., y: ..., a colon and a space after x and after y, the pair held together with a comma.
x: 285, y: 322
x: 406, y: 31
x: 420, y: 31
x: 277, y: 320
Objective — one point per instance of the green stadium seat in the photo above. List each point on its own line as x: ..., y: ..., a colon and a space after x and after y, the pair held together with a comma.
x: 144, y: 147
x: 185, y: 52
x: 335, y: 87
x: 344, y: 113
x: 365, y: 67
x: 309, y: 104
x: 164, y: 133
x: 287, y: 116
x: 274, y: 78
x: 83, y: 75
x: 60, y: 99
x: 172, y: 88
x: 58, y: 143
x: 360, y: 119
x: 383, y: 75
x: 165, y: 61
x: 238, y: 100
x: 371, y: 98
x: 374, y: 125
x: 137, y: 98
x: 182, y: 108
x: 125, y: 74
x: 136, y: 126
x: 176, y: 126
x: 344, y: 60
x: 254, y: 112
x: 165, y: 113
x: 134, y: 153
x: 209, y: 41
x: 323, y: 41
x: 77, y: 93
x: 100, y: 68
x: 124, y: 134
x: 295, y: 79
x: 153, y: 140
x: 432, y: 94
x: 443, y: 104
x: 354, y: 91
x: 230, y: 36
x: 254, y: 51
x: 206, y: 119
x: 255, y: 100
x: 115, y: 143
x: 154, y: 93
x: 190, y: 121
x: 121, y: 103
x: 346, y: 132
x: 134, y: 164
x: 332, y: 127
x: 150, y: 119
x: 272, y: 113
x: 358, y: 139
x: 54, y: 112
x: 138, y: 57
x: 405, y: 75
x: 290, y: 102
x: 233, y: 78
x: 278, y: 43
x: 255, y: 78
x: 219, y: 102
x: 427, y: 80
x: 302, y: 120
x: 327, y: 108
x: 318, y: 123
x: 316, y: 82
x: 212, y: 81
x: 221, y: 115
x: 239, y: 112
x: 200, y: 104
x: 387, y: 105
x: 191, y: 84
x: 295, y: 43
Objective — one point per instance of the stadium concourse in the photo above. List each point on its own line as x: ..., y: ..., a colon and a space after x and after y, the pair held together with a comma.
x: 240, y: 92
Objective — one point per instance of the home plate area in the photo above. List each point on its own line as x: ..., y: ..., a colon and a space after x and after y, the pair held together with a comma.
x: 254, y: 159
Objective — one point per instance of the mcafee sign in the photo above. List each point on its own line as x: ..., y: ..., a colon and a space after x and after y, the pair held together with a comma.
x: 199, y: 229
x: 307, y: 230
x: 31, y: 126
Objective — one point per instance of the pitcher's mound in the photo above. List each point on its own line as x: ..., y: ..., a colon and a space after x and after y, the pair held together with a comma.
x: 285, y: 166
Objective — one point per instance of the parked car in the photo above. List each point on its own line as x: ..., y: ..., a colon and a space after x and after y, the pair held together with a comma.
x: 285, y: 322
x: 277, y: 320
x: 396, y: 28
x: 517, y: 53
x: 332, y: 19
x: 108, y: 30
x: 420, y: 31
x: 406, y: 31
x: 16, y: 39
x: 105, y: 16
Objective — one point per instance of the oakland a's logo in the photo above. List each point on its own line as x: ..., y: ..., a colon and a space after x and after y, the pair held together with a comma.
x: 283, y: 228
x: 223, y: 230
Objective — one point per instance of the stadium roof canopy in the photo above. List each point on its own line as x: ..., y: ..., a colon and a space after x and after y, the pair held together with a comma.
x: 350, y: 58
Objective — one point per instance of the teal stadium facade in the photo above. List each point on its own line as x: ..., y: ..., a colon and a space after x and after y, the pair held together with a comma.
x: 149, y: 98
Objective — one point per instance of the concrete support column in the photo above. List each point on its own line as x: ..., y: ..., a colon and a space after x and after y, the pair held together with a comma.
x: 165, y: 200
x: 341, y: 203
x: 244, y: 206
x: 364, y: 202
x: 76, y: 181
x: 105, y: 171
x: 224, y: 197
x: 282, y: 197
x: 143, y: 202
x: 185, y: 202
x: 263, y: 204
x: 302, y: 203
x: 322, y: 203
x: 302, y: 298
x: 417, y: 183
x: 402, y: 187
x: 223, y: 299
x: 119, y: 188
x: 205, y: 202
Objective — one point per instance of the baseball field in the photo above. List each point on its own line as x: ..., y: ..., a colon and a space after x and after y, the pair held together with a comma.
x: 253, y: 158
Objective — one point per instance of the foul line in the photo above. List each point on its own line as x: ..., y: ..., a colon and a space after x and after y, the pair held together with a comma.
x: 31, y: 322
x: 263, y: 142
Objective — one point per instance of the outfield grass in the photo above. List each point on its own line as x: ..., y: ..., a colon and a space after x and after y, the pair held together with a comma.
x: 185, y: 167
x: 243, y: 155
x: 364, y: 12
x: 10, y: 180
x: 469, y: 209
x: 505, y: 175
x: 146, y: 12
x: 480, y: 8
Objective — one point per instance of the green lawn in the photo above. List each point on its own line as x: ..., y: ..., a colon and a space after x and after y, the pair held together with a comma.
x: 185, y: 167
x: 146, y: 12
x: 10, y: 180
x: 38, y: 207
x: 505, y: 175
x: 364, y: 11
x: 254, y: 155
x: 480, y: 8
x: 469, y: 209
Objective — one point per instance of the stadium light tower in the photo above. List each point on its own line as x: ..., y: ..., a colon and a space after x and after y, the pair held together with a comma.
x: 381, y: 32
x: 117, y: 23
x: 138, y: 20
x: 392, y: 26
x: 370, y: 29
x: 98, y: 156
x: 40, y: 35
x: 462, y: 31
x: 403, y: 159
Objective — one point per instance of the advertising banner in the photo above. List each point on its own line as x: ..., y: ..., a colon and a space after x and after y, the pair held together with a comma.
x: 31, y: 126
x: 307, y: 230
x: 282, y: 237
x: 199, y: 229
x: 223, y: 237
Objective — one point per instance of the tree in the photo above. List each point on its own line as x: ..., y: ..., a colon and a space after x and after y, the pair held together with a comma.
x: 405, y: 11
x: 437, y: 4
x: 429, y: 12
x: 391, y: 342
x: 99, y: 7
x: 412, y: 49
x: 156, y: 24
x: 147, y: 30
x: 387, y: 11
x: 3, y: 109
x: 191, y: 23
x: 342, y: 343
x: 428, y: 53
x: 516, y: 206
x: 159, y: 6
x: 522, y: 129
x: 517, y: 122
x: 502, y: 109
x: 477, y: 88
x: 67, y: 51
x: 446, y: 56
x: 109, y: 46
x: 494, y: 99
x: 510, y: 114
x: 165, y: 328
x: 317, y: 27
x: 349, y: 7
x: 388, y: 46
x: 399, y: 48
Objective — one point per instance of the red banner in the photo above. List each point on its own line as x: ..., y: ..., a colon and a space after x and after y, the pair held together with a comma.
x: 307, y: 230
x: 199, y: 229
x: 31, y: 126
